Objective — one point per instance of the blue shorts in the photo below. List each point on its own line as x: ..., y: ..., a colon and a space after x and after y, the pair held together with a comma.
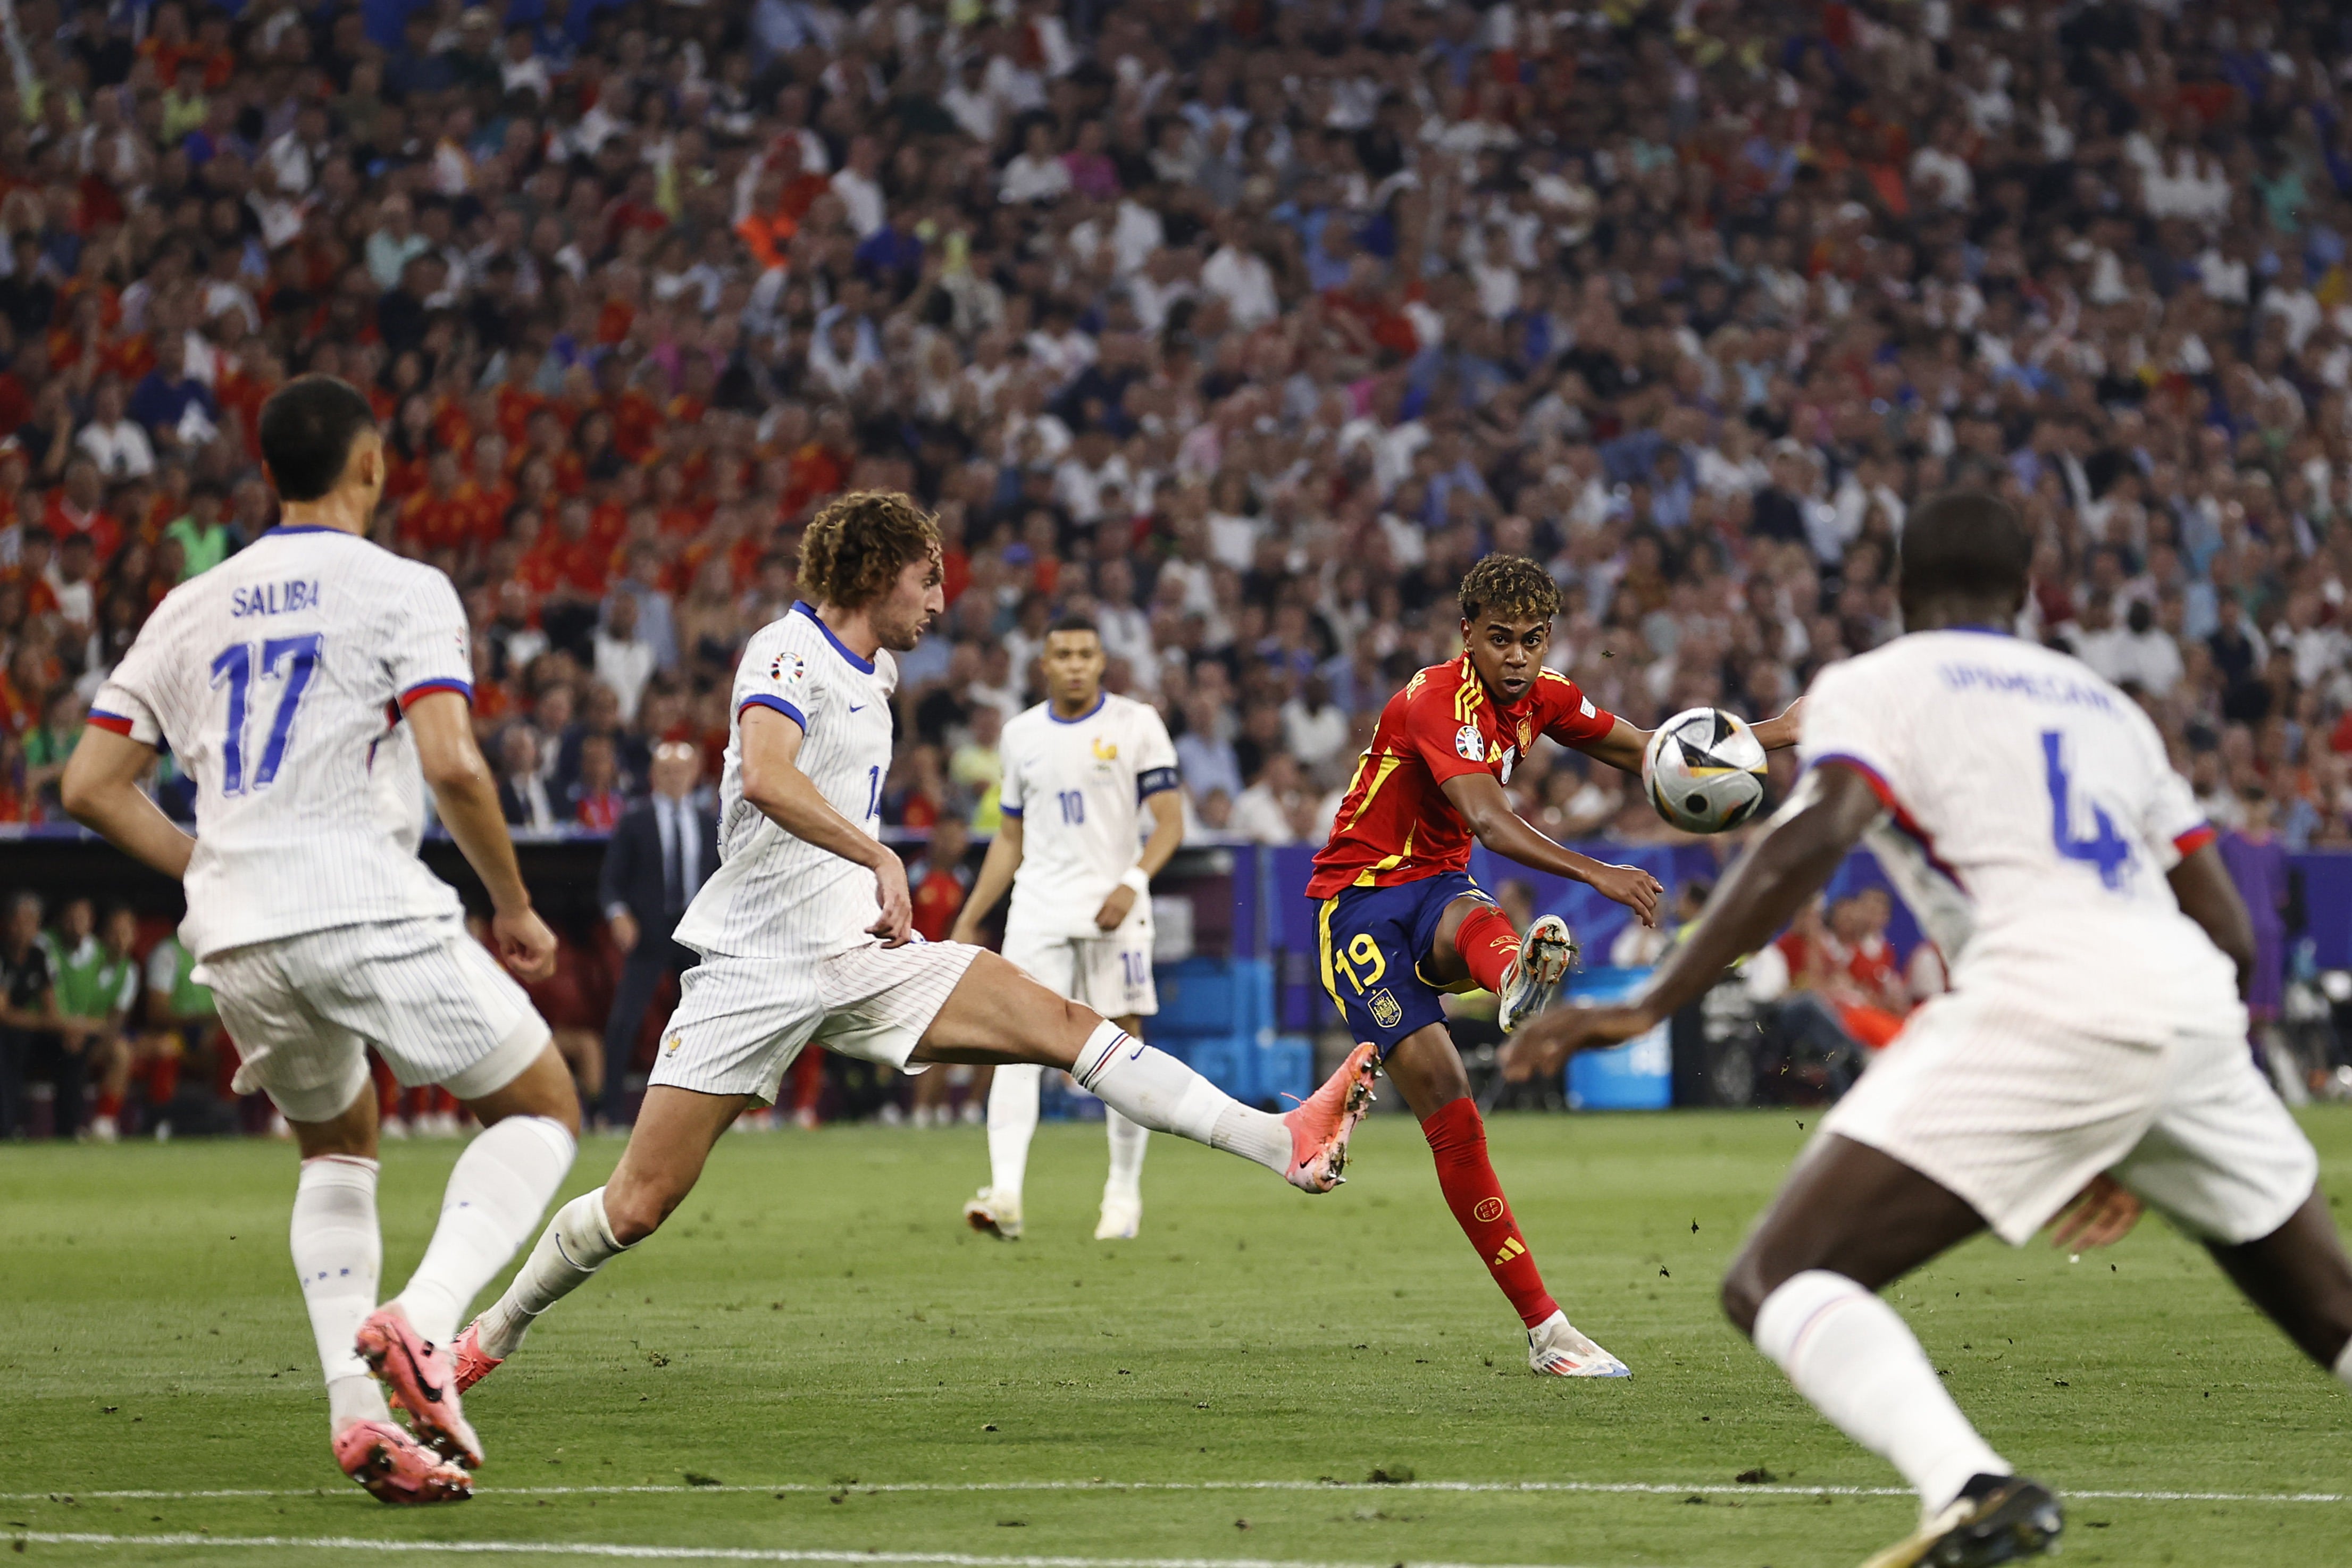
x: 1374, y: 941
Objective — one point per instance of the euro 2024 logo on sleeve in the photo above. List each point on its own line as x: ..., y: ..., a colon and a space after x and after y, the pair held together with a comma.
x: 1470, y: 744
x: 787, y: 669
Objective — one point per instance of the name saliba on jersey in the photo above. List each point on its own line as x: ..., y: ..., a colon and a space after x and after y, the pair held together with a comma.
x: 275, y: 598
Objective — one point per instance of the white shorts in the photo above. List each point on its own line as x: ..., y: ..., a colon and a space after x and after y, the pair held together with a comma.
x: 2015, y: 1113
x: 1111, y: 973
x: 740, y: 1021
x: 434, y: 1003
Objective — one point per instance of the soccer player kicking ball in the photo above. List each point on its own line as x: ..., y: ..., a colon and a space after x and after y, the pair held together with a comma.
x: 1080, y: 769
x: 1402, y: 919
x: 2093, y: 1041
x: 794, y: 949
x: 311, y: 684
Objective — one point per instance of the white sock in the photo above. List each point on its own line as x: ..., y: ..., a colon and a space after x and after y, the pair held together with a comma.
x: 1154, y: 1090
x: 499, y: 1188
x: 338, y: 1252
x: 2343, y: 1363
x: 1012, y: 1123
x: 576, y: 1243
x: 1127, y: 1142
x: 1847, y: 1352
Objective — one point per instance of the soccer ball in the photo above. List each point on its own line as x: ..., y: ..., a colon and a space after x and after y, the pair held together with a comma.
x: 1703, y: 770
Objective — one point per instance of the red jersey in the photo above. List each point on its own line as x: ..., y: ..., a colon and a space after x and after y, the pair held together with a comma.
x: 1396, y: 824
x: 937, y: 899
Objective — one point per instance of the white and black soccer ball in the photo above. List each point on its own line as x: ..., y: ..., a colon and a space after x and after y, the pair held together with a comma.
x: 1703, y: 770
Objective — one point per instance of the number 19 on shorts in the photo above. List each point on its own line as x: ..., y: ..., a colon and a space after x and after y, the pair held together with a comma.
x: 1361, y: 961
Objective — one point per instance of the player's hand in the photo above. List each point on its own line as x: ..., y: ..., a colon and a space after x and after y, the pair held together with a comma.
x: 525, y: 944
x: 2101, y: 1215
x: 896, y: 922
x: 1774, y: 734
x: 1114, y: 908
x: 624, y: 927
x: 1631, y: 886
x: 1538, y: 1046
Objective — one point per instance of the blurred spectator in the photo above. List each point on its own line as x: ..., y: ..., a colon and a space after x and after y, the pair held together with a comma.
x: 36, y: 1040
x: 523, y: 798
x: 97, y: 982
x: 625, y: 660
x: 940, y: 878
x: 594, y: 797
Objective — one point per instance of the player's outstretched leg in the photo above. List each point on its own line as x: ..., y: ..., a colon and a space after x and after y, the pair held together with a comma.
x: 1849, y: 1220
x: 1428, y: 1072
x: 998, y: 1014
x: 496, y: 1192
x: 673, y: 1136
x: 1013, y: 1093
x: 1475, y: 938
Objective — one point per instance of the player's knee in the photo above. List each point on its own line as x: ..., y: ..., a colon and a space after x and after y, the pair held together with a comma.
x: 636, y: 1209
x: 1067, y: 1026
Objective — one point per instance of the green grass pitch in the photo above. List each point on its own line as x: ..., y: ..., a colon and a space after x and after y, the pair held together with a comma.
x: 816, y: 1360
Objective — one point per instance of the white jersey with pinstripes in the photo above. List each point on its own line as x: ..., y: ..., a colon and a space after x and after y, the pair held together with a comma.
x: 1078, y: 786
x: 277, y: 679
x: 774, y: 895
x: 2031, y: 819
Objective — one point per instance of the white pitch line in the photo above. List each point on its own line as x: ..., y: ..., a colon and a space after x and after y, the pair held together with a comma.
x: 689, y: 1554
x: 1649, y: 1488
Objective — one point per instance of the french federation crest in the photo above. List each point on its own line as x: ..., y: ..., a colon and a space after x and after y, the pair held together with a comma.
x: 1106, y: 749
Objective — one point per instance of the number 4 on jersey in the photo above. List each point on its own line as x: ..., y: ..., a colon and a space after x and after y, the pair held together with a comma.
x: 2106, y: 849
x: 236, y: 664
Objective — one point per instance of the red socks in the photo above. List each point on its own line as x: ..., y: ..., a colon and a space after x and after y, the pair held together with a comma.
x: 1487, y: 945
x: 1458, y: 1142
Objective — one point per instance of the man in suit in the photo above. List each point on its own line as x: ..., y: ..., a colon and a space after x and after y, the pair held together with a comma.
x: 663, y: 852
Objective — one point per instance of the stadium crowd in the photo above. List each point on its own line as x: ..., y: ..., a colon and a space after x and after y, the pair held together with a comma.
x: 1242, y: 327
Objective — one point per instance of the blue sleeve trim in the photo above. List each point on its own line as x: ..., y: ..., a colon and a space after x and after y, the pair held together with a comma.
x: 1153, y: 781
x: 780, y: 704
x: 1012, y: 811
x: 440, y: 684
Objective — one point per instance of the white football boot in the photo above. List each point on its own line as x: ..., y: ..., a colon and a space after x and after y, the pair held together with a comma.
x: 1122, y: 1217
x: 1557, y: 1350
x: 994, y: 1216
x: 1546, y: 955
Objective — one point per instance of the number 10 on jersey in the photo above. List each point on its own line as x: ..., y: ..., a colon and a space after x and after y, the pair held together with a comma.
x: 292, y: 660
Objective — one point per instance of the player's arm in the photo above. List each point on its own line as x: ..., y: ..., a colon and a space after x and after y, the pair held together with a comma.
x: 1167, y: 810
x: 1792, y: 860
x: 2201, y: 884
x: 1622, y: 747
x: 774, y: 785
x: 996, y: 871
x: 100, y: 792
x: 467, y: 794
x: 42, y: 1018
x: 1486, y: 810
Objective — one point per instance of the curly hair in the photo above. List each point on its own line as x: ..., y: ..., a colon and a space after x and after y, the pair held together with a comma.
x: 858, y: 544
x: 1511, y: 587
